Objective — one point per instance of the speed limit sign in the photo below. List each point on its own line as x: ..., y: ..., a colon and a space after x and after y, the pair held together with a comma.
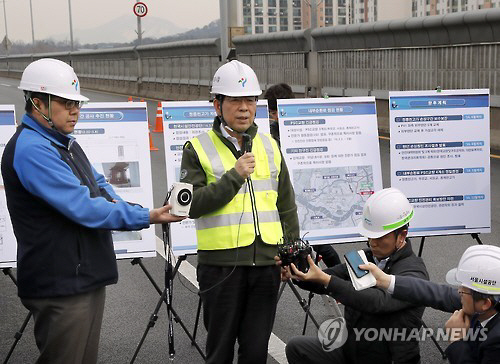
x: 140, y: 9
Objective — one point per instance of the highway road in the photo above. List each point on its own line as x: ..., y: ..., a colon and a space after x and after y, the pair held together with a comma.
x: 131, y: 302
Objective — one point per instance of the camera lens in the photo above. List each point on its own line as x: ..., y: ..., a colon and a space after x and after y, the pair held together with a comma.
x: 184, y: 197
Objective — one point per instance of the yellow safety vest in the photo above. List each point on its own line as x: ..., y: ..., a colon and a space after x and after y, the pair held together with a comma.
x: 234, y: 224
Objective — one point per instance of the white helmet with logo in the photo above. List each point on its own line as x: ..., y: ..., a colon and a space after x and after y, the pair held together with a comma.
x: 385, y: 211
x: 478, y: 270
x: 235, y: 79
x: 53, y: 77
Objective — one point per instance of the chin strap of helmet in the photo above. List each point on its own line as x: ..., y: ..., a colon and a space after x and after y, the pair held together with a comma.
x: 496, y: 304
x: 221, y: 117
x: 47, y: 118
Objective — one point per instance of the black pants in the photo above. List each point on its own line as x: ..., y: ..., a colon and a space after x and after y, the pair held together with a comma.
x: 241, y: 306
x: 308, y: 350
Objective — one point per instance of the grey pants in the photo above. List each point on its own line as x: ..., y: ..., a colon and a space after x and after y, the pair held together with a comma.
x: 67, y: 329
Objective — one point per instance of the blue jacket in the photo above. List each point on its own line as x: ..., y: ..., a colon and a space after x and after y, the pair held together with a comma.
x: 62, y: 214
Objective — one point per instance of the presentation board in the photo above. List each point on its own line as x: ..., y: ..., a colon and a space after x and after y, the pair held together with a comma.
x: 115, y: 138
x: 8, y: 244
x: 332, y: 152
x: 440, y: 159
x: 182, y: 121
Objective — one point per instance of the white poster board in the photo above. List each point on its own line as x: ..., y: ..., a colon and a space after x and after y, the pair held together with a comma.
x: 182, y: 121
x: 115, y: 138
x: 8, y: 243
x: 332, y: 152
x: 440, y: 144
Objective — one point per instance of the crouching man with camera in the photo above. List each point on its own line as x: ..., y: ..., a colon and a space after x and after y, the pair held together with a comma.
x: 385, y: 223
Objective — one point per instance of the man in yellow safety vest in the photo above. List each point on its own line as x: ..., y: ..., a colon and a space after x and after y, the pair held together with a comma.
x: 244, y: 204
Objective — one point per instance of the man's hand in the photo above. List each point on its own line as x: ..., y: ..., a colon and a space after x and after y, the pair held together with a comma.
x: 383, y: 279
x: 285, y: 271
x: 314, y: 274
x: 245, y: 165
x: 162, y: 215
x: 458, y: 324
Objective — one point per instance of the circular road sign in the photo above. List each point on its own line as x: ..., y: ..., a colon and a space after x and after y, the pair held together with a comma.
x: 140, y: 9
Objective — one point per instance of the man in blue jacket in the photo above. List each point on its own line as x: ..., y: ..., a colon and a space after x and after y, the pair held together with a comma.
x: 474, y: 326
x: 62, y: 212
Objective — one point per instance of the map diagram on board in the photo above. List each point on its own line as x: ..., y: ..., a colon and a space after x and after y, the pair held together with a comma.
x: 331, y: 197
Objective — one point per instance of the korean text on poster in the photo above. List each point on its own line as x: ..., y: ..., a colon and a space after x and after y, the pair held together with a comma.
x: 115, y: 139
x: 332, y: 152
x: 440, y: 145
x: 8, y: 244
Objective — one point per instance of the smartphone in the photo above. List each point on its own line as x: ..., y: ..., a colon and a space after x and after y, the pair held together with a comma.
x: 354, y: 260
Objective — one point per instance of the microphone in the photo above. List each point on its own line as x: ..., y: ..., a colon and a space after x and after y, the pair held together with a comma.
x: 247, y: 142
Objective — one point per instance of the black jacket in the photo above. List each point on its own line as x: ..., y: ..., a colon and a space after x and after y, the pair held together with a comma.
x: 375, y: 308
x: 446, y: 298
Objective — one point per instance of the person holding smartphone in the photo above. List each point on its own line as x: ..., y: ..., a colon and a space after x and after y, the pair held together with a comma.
x: 386, y: 217
x: 475, y: 304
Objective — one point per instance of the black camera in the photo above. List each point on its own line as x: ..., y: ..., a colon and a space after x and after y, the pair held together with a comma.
x: 296, y: 252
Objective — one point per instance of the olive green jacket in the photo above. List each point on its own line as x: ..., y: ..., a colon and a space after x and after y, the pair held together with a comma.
x: 209, y: 198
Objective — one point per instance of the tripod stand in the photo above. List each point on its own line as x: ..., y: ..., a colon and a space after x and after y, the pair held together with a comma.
x: 303, y: 303
x: 165, y: 297
x: 306, y: 305
x: 327, y: 301
x: 18, y: 334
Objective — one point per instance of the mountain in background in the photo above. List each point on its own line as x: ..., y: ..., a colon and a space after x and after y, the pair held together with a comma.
x: 123, y: 30
x: 211, y: 30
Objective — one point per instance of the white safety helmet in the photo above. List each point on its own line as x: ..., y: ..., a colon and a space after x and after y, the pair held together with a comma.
x: 235, y: 79
x: 385, y: 211
x: 53, y: 77
x: 478, y: 270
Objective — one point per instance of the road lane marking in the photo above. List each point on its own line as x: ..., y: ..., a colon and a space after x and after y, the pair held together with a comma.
x: 4, y: 84
x: 276, y: 346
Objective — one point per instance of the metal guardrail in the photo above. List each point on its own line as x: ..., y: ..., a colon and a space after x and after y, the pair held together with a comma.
x: 459, y: 50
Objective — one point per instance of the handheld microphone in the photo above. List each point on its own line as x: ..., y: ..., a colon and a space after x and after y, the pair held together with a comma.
x: 247, y: 143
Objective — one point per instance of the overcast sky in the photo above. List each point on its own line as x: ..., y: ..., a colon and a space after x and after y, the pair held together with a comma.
x: 51, y: 17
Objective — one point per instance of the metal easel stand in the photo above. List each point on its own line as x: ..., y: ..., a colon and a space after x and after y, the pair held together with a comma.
x: 441, y: 351
x: 18, y: 334
x: 475, y: 236
x: 166, y: 297
x: 303, y: 303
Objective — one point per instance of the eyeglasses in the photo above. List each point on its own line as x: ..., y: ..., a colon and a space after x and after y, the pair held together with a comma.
x: 460, y: 292
x: 237, y: 100
x: 68, y: 104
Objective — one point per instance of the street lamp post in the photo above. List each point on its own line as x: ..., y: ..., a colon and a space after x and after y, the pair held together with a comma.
x: 70, y: 25
x: 32, y: 27
x: 6, y: 33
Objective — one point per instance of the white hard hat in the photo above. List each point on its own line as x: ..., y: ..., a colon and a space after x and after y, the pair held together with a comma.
x: 235, y: 79
x: 478, y: 270
x: 51, y: 76
x: 385, y: 211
